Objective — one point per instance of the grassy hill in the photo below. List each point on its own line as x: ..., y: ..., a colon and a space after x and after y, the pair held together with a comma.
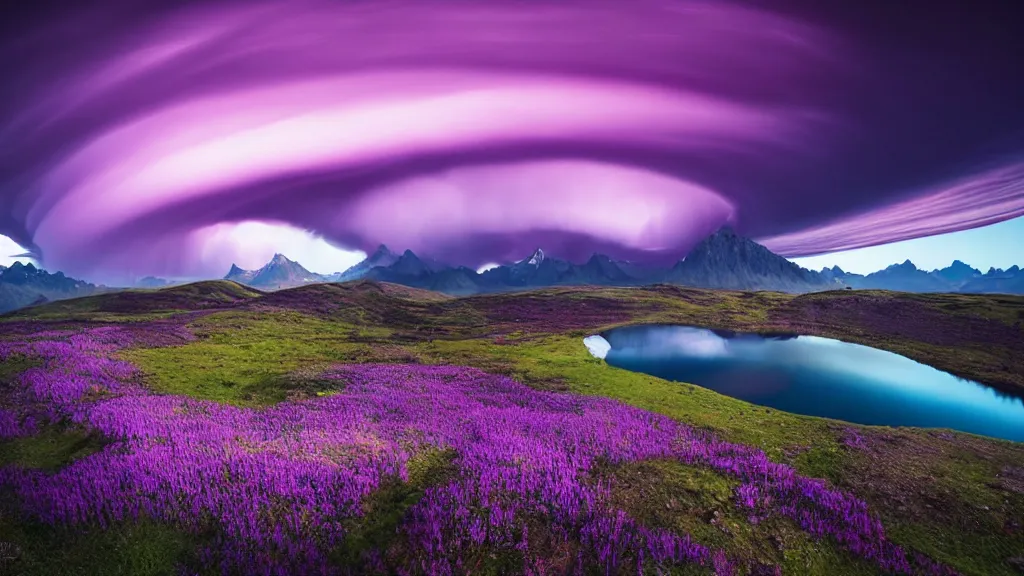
x: 957, y: 499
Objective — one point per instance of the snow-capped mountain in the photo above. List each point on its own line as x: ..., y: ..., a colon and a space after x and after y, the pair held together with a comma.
x: 280, y: 272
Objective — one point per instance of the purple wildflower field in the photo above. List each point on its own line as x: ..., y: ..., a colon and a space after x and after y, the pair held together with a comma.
x: 274, y: 486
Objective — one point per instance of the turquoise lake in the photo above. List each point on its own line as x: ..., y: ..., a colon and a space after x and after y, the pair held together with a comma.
x: 814, y: 376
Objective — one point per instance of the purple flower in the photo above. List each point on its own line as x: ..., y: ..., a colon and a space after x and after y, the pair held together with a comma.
x: 276, y: 485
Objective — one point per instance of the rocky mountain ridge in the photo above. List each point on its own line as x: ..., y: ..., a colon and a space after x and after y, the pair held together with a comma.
x: 723, y: 260
x: 280, y: 272
x: 24, y: 285
x: 957, y: 277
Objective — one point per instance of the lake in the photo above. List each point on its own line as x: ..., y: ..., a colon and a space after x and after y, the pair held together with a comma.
x: 814, y: 376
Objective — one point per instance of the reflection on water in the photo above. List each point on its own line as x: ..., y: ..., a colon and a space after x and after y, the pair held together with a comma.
x: 815, y: 376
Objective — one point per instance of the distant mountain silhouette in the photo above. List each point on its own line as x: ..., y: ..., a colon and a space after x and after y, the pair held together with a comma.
x: 834, y: 273
x: 537, y: 269
x: 727, y: 260
x: 280, y: 272
x: 151, y: 282
x: 905, y: 277
x: 380, y: 257
x: 957, y: 273
x: 601, y: 269
x: 24, y: 285
x: 724, y: 260
x: 957, y: 277
x: 410, y: 271
x: 408, y: 264
x: 996, y: 281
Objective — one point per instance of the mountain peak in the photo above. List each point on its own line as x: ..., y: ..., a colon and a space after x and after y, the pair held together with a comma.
x: 36, y: 282
x: 381, y: 250
x: 906, y: 265
x: 280, y: 272
x: 727, y: 260
x: 408, y: 264
x: 962, y: 267
x: 536, y: 258
x: 382, y: 257
x: 957, y: 273
x: 239, y: 274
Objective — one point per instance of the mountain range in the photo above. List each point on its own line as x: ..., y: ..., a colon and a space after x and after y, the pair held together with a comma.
x: 724, y: 260
x: 957, y: 277
x: 24, y: 285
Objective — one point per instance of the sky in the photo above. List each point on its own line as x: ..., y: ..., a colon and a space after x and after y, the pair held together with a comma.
x: 995, y: 246
x: 155, y: 138
x: 249, y: 245
x: 11, y: 252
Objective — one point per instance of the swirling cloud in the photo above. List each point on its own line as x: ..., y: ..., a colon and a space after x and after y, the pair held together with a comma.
x: 977, y: 200
x: 467, y: 131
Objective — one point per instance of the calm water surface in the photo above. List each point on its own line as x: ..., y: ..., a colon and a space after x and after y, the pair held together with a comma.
x: 815, y: 376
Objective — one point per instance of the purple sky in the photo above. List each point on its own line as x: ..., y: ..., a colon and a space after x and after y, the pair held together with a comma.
x: 476, y: 131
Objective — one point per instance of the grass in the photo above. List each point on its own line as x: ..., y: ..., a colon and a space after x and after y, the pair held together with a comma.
x: 10, y: 368
x: 1002, y: 307
x: 964, y: 475
x: 563, y: 363
x: 246, y: 360
x: 971, y: 553
x: 137, y: 305
x: 138, y: 549
x: 49, y: 449
x: 940, y: 495
x: 670, y: 495
x: 384, y: 509
x: 54, y: 445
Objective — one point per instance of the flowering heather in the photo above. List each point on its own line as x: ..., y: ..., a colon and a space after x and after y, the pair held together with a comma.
x: 14, y: 424
x: 276, y: 486
x: 853, y: 439
x: 541, y: 313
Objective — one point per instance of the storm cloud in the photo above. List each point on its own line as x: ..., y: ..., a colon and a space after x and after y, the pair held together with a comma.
x: 475, y: 131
